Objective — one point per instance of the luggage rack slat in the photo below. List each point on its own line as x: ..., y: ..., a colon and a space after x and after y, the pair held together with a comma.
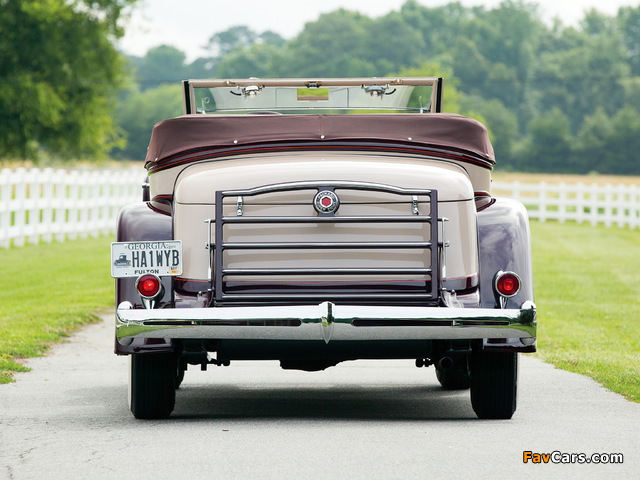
x: 321, y: 245
x: 336, y: 219
x: 326, y: 271
x: 325, y: 296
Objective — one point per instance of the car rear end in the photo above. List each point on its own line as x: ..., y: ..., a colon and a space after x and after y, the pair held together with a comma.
x: 314, y: 240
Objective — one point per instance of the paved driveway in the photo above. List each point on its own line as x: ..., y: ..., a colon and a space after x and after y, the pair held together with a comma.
x: 68, y: 418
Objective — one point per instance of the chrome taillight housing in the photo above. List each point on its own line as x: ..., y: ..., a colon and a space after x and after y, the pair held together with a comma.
x: 505, y: 285
x: 150, y: 288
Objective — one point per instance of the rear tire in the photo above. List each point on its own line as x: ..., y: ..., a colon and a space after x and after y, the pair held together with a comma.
x: 180, y: 375
x: 494, y: 384
x: 152, y: 385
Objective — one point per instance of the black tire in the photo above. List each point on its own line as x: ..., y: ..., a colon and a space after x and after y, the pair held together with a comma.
x: 181, y: 369
x: 152, y: 385
x: 455, y: 378
x: 494, y: 384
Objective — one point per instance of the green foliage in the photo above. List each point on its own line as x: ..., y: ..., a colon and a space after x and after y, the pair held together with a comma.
x: 335, y: 45
x: 495, y: 52
x: 502, y: 122
x: 550, y: 95
x: 260, y: 60
x: 139, y: 111
x: 223, y: 43
x: 582, y: 79
x: 549, y: 140
x: 628, y: 20
x: 161, y: 65
x: 593, y: 138
x: 59, y: 72
x: 624, y: 142
x: 399, y: 46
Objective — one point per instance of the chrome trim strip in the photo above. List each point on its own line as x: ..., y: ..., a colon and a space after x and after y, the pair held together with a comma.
x: 314, y: 81
x: 310, y: 185
x: 308, y: 322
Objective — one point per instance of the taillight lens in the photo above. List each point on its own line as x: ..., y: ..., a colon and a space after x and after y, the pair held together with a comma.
x: 149, y: 286
x: 507, y: 284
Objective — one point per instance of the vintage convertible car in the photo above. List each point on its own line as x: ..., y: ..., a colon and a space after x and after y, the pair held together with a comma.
x: 314, y: 221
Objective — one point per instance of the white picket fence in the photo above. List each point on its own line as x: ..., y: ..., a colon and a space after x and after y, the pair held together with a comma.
x: 43, y: 205
x: 578, y: 202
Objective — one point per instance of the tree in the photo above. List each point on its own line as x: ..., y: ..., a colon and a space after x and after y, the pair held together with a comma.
x: 592, y: 142
x: 396, y: 44
x: 548, y: 147
x: 631, y: 88
x: 59, y: 72
x: 501, y: 122
x: 544, y: 92
x: 495, y: 54
x: 335, y: 45
x: 580, y: 70
x: 256, y: 61
x: 629, y: 23
x: 223, y: 43
x: 139, y: 111
x: 624, y: 145
x: 241, y: 52
x: 162, y: 64
x: 470, y: 66
x: 439, y: 26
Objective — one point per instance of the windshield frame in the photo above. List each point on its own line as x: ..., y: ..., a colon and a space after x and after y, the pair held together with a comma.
x: 253, y: 87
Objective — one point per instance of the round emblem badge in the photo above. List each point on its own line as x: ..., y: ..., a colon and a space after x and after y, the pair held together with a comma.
x: 326, y: 202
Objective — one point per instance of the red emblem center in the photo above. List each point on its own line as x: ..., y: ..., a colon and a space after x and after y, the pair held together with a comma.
x: 326, y: 202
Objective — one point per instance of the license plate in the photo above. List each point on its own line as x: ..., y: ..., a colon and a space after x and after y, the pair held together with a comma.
x: 132, y: 259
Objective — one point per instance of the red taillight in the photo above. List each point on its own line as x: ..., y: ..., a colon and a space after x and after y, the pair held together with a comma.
x: 507, y: 284
x: 149, y: 286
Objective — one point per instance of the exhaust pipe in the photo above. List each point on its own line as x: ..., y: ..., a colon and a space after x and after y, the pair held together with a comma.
x: 445, y: 363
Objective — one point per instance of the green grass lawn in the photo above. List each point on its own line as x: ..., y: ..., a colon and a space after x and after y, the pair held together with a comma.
x: 47, y: 291
x: 585, y: 277
x: 586, y: 286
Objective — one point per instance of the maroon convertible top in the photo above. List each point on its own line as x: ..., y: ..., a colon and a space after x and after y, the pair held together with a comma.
x: 192, y: 133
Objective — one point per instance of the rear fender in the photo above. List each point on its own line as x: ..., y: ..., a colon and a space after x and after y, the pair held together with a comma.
x: 504, y: 244
x: 140, y: 222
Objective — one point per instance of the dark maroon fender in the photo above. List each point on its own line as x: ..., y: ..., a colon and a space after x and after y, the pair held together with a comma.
x: 141, y: 222
x: 504, y: 244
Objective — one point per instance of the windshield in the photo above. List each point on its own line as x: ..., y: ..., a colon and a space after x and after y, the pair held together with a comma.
x: 329, y: 96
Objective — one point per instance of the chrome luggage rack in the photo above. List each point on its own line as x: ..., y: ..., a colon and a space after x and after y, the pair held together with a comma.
x: 424, y: 292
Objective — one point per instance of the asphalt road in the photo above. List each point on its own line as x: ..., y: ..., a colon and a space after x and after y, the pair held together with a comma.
x: 68, y: 418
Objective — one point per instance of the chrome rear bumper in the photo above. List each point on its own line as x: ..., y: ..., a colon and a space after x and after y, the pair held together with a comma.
x: 328, y: 322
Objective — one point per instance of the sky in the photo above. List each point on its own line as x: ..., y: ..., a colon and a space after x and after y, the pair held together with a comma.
x: 188, y: 24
